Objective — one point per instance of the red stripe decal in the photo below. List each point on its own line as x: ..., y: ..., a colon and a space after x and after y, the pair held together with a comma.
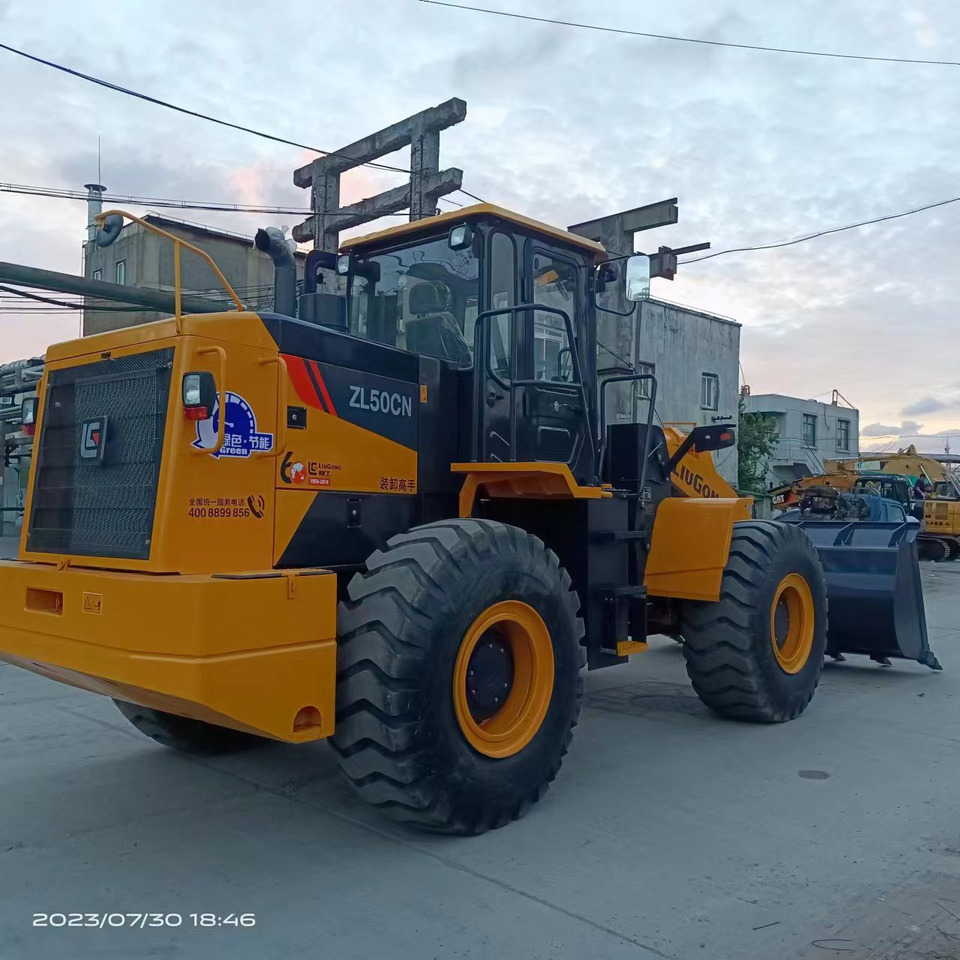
x: 323, y: 388
x: 301, y: 381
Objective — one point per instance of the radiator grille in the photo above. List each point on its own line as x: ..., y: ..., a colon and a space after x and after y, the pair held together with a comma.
x: 101, y: 505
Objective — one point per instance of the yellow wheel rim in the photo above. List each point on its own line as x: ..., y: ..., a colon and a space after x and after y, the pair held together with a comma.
x: 503, y: 679
x: 792, y: 623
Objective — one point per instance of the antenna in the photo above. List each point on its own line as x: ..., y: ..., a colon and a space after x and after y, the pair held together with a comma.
x: 99, y: 175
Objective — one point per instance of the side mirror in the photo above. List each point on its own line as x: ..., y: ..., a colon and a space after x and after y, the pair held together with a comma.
x: 638, y: 278
x: 706, y: 439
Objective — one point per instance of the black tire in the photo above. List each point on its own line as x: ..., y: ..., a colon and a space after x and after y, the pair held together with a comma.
x: 729, y: 648
x: 186, y: 735
x: 953, y: 548
x: 397, y: 737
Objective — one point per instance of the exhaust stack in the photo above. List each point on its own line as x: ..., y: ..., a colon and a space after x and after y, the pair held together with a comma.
x: 95, y: 193
x: 272, y: 242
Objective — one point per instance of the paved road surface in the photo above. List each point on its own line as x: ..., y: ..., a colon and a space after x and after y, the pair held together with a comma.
x: 668, y: 834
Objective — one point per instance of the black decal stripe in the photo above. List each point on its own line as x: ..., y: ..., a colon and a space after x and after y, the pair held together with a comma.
x: 316, y: 386
x: 327, y: 399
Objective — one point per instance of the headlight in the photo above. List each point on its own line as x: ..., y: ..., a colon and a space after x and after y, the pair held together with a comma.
x: 28, y: 411
x: 191, y: 390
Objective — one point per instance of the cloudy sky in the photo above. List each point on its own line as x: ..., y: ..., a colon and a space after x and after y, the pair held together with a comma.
x: 563, y: 124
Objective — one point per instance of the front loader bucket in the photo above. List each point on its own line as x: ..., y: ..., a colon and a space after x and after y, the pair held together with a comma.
x: 875, y: 600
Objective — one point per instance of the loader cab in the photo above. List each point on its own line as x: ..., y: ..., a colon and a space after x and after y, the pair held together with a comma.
x: 454, y: 288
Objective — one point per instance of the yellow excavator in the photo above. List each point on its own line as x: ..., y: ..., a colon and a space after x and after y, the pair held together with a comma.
x: 893, y: 477
x: 398, y: 519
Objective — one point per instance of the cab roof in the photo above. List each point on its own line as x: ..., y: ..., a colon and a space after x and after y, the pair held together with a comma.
x: 472, y: 212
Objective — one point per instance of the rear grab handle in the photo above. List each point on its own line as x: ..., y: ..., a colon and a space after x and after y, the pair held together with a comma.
x: 222, y: 380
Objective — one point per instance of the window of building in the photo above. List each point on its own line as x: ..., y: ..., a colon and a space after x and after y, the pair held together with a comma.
x: 709, y: 391
x: 809, y: 430
x: 843, y: 434
x: 98, y: 274
x: 643, y: 386
x: 121, y: 271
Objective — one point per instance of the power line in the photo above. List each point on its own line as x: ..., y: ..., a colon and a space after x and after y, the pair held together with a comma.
x: 699, y: 40
x: 117, y: 88
x: 164, y: 202
x: 70, y: 306
x: 63, y: 193
x: 823, y: 233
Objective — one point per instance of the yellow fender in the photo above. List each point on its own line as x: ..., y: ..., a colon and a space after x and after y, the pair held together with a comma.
x: 691, y: 537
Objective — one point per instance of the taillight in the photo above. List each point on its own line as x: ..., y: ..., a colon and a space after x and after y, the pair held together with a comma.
x: 199, y: 394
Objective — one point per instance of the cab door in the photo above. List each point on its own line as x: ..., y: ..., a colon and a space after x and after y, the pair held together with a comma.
x: 553, y: 423
x: 496, y: 371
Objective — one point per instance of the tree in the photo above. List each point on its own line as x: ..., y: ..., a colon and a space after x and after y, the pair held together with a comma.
x: 756, y: 438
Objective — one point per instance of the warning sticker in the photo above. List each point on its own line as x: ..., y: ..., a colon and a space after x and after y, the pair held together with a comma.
x: 240, y: 435
x: 93, y: 603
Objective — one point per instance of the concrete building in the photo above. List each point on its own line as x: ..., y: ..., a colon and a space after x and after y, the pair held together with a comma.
x: 696, y: 358
x: 142, y: 258
x: 809, y: 433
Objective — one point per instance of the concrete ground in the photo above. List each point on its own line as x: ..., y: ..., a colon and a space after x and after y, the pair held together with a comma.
x: 669, y: 833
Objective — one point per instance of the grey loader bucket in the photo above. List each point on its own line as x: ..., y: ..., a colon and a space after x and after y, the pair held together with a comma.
x: 875, y: 600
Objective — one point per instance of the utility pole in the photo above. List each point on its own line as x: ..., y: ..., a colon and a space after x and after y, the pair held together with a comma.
x: 427, y: 184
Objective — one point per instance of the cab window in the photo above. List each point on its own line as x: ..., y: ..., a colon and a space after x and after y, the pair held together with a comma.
x: 555, y: 284
x: 423, y: 298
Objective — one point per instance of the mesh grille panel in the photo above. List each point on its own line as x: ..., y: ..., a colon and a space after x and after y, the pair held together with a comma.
x: 101, y: 505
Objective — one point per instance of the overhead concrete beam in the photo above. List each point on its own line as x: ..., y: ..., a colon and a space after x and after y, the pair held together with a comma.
x: 355, y: 214
x: 383, y: 142
x: 628, y: 222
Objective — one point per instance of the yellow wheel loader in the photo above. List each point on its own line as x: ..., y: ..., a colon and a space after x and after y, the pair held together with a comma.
x: 398, y: 521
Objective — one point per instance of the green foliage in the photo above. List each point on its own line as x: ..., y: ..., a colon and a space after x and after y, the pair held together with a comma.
x: 756, y: 438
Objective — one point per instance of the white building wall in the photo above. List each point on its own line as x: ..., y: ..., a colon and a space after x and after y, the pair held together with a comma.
x: 794, y: 455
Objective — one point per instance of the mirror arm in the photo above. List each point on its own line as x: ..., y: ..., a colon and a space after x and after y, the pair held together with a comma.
x: 679, y: 454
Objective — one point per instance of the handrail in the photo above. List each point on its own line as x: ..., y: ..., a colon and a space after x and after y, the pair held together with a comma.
x: 222, y: 415
x: 100, y: 219
x: 481, y: 322
x: 280, y: 440
x: 651, y: 411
